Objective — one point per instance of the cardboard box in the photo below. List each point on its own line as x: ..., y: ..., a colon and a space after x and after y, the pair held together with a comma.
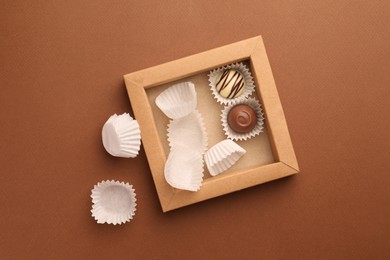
x: 269, y: 156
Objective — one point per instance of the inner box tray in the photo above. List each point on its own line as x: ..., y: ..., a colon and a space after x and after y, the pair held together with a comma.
x: 269, y: 156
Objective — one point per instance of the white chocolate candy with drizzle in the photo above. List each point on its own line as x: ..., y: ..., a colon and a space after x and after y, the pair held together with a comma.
x: 230, y: 84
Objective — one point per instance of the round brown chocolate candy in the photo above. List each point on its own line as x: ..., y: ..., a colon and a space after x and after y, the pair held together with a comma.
x: 242, y: 118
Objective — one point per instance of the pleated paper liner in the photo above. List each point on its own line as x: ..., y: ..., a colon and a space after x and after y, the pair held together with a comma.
x: 249, y: 85
x: 184, y: 169
x: 178, y: 100
x: 222, y: 156
x: 255, y: 105
x: 188, y: 131
x: 121, y: 136
x: 114, y: 202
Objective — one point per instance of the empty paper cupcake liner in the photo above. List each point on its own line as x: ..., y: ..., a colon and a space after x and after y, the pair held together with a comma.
x: 222, y: 156
x: 188, y: 131
x: 114, y: 202
x: 249, y: 85
x: 178, y: 100
x: 184, y: 169
x: 255, y: 105
x: 121, y: 136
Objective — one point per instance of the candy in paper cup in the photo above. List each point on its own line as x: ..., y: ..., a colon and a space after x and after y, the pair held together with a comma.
x: 184, y: 169
x: 114, y: 202
x: 225, y: 76
x: 222, y: 156
x: 188, y: 131
x: 258, y: 127
x: 121, y: 136
x: 178, y: 100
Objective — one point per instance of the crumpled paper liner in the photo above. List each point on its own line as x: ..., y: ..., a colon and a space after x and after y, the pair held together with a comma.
x: 243, y: 136
x: 222, y: 156
x: 114, y: 202
x: 184, y: 169
x: 188, y: 131
x: 121, y: 136
x: 249, y: 86
x: 178, y: 100
x: 187, y: 137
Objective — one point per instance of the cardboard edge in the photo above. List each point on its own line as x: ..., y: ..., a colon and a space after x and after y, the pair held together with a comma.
x: 196, y: 63
x: 250, y: 49
x: 296, y: 169
x: 153, y: 148
x: 277, y: 124
x: 231, y: 183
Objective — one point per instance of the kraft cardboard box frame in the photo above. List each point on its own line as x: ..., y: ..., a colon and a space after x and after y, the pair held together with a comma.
x: 142, y: 83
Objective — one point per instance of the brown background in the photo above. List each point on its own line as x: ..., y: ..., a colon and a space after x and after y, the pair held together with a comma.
x: 61, y: 69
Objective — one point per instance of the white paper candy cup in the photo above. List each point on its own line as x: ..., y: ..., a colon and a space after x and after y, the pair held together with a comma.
x: 253, y: 103
x: 249, y: 85
x: 184, y: 169
x: 222, y: 156
x: 121, y: 136
x: 114, y: 202
x: 178, y: 100
x: 188, y: 131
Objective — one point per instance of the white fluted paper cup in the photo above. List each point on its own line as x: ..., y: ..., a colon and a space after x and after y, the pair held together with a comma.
x: 258, y: 128
x: 114, y: 202
x: 249, y: 85
x: 188, y: 131
x: 178, y: 100
x: 222, y: 156
x: 121, y: 136
x: 184, y: 169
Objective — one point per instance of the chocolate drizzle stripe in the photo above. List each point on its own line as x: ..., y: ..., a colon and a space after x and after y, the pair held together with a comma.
x: 224, y: 77
x: 237, y: 86
x: 225, y: 80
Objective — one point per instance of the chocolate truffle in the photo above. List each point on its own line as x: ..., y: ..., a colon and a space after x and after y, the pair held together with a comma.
x: 230, y: 84
x: 242, y: 118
